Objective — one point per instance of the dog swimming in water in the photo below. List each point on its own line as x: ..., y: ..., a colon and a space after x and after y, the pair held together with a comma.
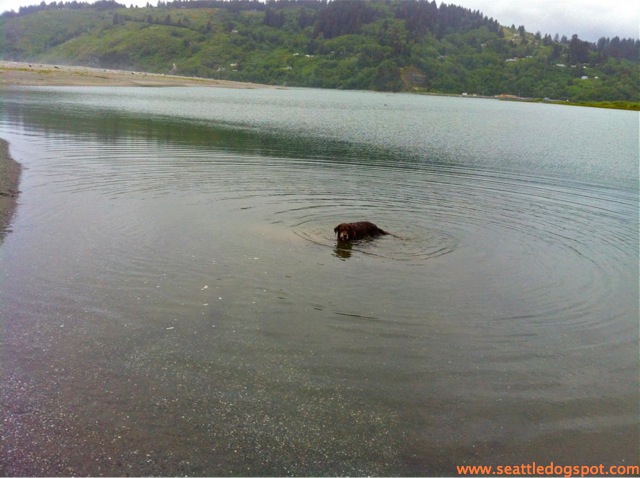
x: 352, y: 231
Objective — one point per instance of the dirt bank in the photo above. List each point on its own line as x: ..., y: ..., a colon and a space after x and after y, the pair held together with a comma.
x: 9, y: 179
x: 36, y: 74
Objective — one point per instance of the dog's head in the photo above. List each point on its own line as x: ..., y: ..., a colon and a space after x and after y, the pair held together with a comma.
x: 345, y: 232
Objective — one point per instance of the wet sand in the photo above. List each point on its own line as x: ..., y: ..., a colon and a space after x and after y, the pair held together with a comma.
x: 9, y: 179
x: 37, y: 74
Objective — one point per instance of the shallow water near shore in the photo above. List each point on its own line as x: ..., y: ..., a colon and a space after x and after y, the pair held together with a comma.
x: 173, y: 300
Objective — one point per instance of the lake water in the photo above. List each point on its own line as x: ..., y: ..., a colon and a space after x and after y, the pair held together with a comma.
x: 173, y: 300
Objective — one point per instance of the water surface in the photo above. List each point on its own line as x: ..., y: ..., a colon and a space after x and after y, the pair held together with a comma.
x: 173, y: 300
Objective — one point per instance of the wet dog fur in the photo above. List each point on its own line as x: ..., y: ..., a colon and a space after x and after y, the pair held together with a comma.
x: 357, y: 230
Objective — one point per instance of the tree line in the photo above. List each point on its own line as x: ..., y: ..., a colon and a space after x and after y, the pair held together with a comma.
x: 343, y: 17
x: 392, y: 45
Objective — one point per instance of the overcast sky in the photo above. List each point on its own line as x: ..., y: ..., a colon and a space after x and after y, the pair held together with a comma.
x: 590, y: 19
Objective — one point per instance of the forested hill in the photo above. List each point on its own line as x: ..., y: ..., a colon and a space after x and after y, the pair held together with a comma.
x: 389, y: 45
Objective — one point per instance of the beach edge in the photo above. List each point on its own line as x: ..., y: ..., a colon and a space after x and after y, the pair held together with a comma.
x: 10, y: 172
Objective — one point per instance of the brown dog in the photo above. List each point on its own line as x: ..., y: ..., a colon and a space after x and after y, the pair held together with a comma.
x: 357, y: 230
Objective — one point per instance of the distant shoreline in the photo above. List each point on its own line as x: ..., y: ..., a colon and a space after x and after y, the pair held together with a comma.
x: 17, y: 74
x: 38, y: 74
x: 9, y: 180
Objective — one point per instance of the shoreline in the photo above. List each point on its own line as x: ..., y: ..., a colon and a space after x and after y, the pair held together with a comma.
x: 10, y: 172
x: 13, y: 73
x: 23, y: 74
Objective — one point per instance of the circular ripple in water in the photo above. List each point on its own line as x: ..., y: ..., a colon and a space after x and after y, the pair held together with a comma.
x: 548, y: 249
x: 414, y: 243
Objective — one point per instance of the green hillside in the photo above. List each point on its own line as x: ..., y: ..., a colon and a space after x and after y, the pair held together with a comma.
x: 389, y: 45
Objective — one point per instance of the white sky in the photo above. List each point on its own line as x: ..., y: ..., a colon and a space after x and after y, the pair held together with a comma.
x: 590, y: 19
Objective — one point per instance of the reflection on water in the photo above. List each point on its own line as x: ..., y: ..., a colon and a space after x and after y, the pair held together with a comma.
x: 174, y: 299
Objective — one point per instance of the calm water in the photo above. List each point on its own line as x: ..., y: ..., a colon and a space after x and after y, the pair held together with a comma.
x: 173, y: 301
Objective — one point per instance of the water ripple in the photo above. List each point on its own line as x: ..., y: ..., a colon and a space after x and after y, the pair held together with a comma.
x: 200, y: 263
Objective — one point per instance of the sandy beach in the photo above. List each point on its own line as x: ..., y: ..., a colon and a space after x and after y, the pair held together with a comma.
x: 37, y: 74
